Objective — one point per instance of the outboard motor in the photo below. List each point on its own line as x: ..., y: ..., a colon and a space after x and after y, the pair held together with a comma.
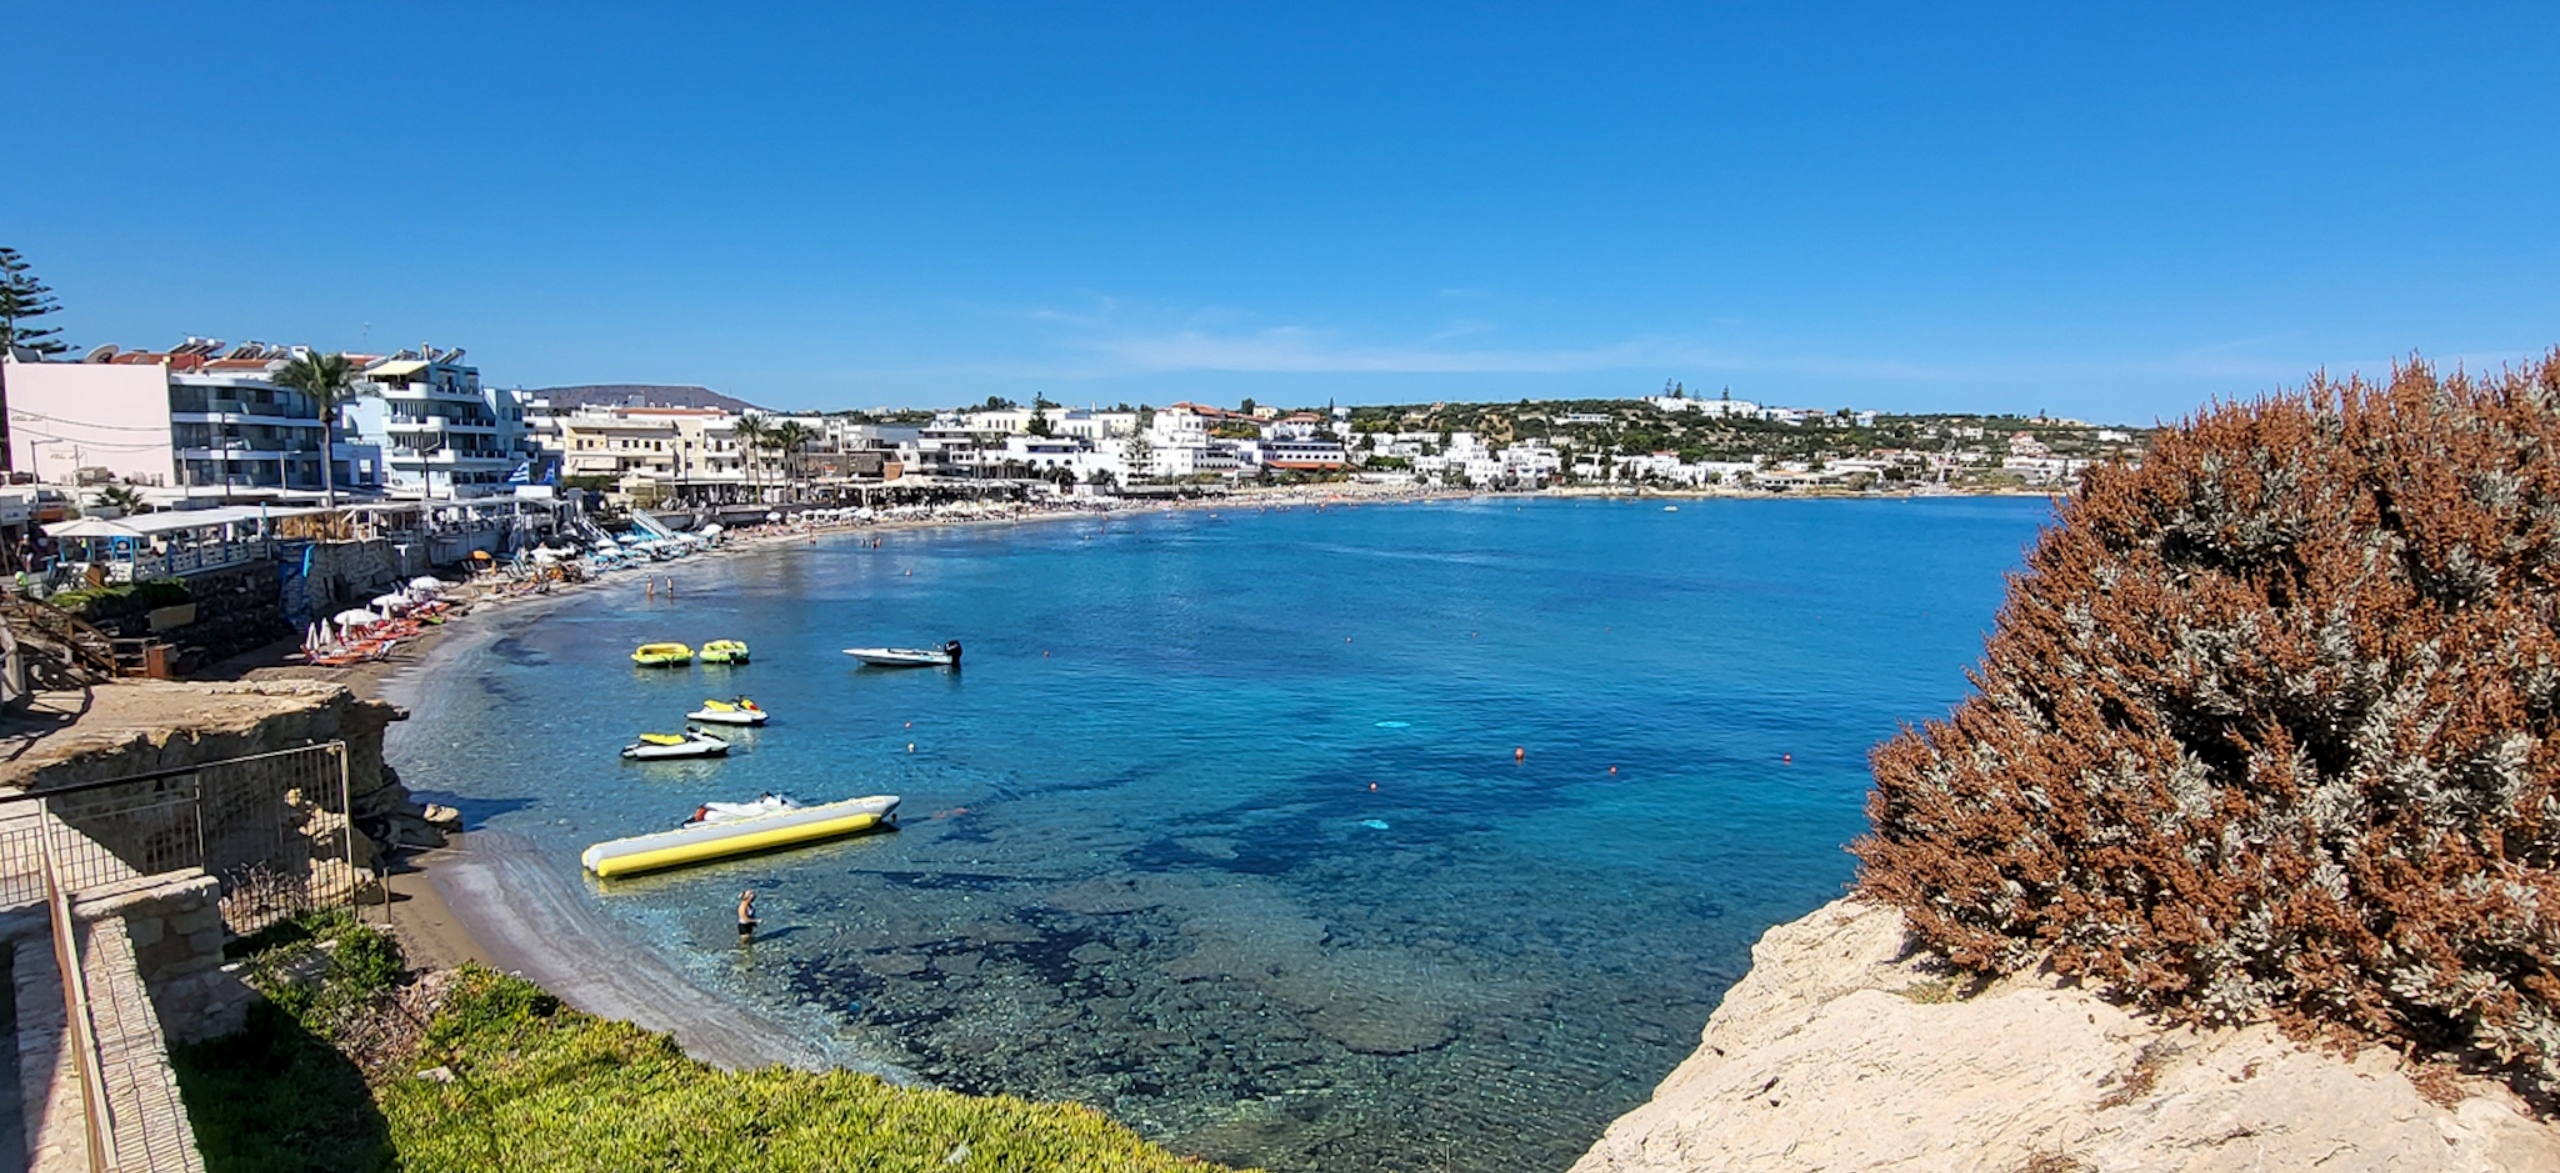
x: 952, y: 646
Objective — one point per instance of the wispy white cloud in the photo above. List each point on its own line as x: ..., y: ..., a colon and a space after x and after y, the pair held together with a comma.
x: 1110, y: 337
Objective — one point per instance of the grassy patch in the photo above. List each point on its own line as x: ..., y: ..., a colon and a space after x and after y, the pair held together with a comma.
x: 540, y: 1087
x: 347, y: 1069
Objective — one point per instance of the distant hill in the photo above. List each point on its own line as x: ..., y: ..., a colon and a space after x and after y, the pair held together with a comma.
x: 645, y: 394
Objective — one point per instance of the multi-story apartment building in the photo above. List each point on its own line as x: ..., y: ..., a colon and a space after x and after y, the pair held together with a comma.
x: 442, y: 434
x: 194, y: 417
x: 690, y: 451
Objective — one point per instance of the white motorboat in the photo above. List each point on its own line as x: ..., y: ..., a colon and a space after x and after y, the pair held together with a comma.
x: 732, y: 712
x: 776, y: 823
x: 694, y: 743
x: 948, y: 655
x: 710, y: 813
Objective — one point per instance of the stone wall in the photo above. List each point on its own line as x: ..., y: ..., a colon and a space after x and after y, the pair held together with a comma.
x: 175, y: 926
x: 140, y: 727
x: 151, y: 1131
x: 335, y: 576
x: 235, y: 609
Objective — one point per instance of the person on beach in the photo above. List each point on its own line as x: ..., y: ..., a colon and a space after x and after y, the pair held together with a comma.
x: 746, y: 915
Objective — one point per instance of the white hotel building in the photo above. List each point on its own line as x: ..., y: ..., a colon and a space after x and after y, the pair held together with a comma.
x: 443, y: 436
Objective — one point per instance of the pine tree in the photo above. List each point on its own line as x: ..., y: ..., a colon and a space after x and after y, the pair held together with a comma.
x: 23, y: 299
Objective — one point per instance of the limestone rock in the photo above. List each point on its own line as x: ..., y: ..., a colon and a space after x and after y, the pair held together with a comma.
x: 1844, y: 1050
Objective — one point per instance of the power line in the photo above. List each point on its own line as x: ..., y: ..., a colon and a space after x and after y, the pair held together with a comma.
x: 17, y: 413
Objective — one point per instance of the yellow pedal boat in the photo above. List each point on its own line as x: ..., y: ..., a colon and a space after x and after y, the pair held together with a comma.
x: 662, y: 656
x: 724, y: 651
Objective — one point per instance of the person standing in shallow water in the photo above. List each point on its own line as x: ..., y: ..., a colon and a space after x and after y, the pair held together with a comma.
x: 746, y: 915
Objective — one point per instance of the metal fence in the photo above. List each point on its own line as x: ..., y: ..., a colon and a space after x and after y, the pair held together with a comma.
x: 273, y: 828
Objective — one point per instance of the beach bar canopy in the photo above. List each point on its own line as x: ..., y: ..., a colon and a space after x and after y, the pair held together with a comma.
x: 167, y: 545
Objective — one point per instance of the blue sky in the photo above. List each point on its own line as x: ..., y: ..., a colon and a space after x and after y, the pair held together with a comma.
x: 2111, y: 211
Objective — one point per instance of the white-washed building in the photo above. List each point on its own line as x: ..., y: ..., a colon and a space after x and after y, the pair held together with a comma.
x: 443, y: 435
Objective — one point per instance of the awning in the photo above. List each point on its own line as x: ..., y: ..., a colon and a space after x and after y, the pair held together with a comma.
x: 91, y: 527
x: 395, y: 369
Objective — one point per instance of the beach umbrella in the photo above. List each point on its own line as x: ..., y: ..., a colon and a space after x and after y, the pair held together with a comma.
x: 426, y: 584
x: 390, y: 604
x: 357, y: 617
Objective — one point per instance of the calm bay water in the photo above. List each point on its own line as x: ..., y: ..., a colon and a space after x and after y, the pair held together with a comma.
x: 1221, y: 830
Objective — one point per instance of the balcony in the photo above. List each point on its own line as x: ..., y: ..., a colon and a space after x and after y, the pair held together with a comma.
x: 424, y: 392
x: 448, y: 458
x: 233, y: 411
x: 439, y: 424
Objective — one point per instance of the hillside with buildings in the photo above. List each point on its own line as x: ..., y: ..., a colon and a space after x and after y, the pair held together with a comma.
x: 640, y: 395
x: 205, y: 424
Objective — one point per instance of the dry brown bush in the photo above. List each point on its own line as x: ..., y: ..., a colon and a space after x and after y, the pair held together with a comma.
x: 2266, y: 728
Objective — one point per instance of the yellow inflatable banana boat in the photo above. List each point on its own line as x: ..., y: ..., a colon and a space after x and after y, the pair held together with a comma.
x: 721, y: 838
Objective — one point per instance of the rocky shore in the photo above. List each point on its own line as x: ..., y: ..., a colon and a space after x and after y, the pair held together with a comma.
x: 1845, y: 1048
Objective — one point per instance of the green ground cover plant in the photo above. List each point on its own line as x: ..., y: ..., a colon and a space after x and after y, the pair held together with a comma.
x: 111, y: 602
x: 2267, y: 730
x: 356, y: 1067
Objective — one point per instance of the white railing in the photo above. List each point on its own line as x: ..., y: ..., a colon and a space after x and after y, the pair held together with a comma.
x: 182, y: 562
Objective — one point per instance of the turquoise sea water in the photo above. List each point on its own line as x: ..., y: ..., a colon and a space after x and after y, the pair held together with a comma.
x: 1221, y: 828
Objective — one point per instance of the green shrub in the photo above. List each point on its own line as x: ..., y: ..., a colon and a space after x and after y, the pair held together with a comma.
x: 115, y: 602
x: 2270, y: 727
x: 505, y: 1077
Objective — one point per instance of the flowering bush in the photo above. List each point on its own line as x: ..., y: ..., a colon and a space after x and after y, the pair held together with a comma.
x: 2266, y: 728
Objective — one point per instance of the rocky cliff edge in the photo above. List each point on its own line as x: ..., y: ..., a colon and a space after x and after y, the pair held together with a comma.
x: 1845, y: 1049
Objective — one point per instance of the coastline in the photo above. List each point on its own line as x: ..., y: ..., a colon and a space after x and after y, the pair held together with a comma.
x: 486, y: 897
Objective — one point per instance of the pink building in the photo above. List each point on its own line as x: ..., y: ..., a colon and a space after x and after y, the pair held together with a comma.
x: 179, y: 419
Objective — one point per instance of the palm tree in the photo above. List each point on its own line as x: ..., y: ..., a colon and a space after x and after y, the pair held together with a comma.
x: 124, y: 499
x: 789, y: 438
x: 750, y: 432
x: 330, y: 380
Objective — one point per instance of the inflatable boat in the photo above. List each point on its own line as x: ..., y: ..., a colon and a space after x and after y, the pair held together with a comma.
x: 694, y: 743
x: 720, y: 837
x: 662, y: 656
x: 946, y: 655
x: 737, y: 712
x: 724, y: 651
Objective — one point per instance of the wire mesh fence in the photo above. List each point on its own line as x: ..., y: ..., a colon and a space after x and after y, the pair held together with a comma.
x: 273, y: 828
